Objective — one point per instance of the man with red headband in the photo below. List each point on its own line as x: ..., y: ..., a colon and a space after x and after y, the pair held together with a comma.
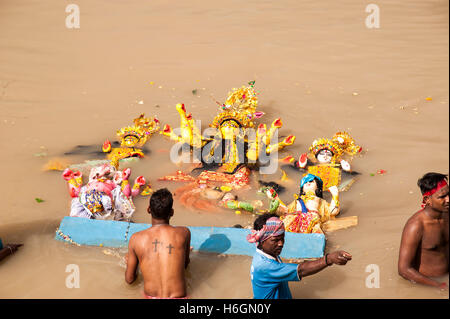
x: 424, y: 246
x: 270, y: 276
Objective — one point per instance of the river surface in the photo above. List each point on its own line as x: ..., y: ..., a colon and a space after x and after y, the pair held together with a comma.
x: 316, y: 65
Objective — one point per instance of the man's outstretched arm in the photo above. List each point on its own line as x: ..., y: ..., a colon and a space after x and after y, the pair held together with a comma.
x: 308, y: 268
x: 411, y: 238
x: 9, y: 250
x: 132, y: 263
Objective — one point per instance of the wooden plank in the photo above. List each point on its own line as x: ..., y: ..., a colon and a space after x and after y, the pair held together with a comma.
x: 340, y: 223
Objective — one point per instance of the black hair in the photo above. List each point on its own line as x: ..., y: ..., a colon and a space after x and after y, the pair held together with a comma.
x: 261, y: 220
x: 161, y: 202
x: 319, y: 190
x: 430, y: 181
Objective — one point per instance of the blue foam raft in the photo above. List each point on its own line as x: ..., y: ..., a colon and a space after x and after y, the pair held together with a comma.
x: 221, y: 240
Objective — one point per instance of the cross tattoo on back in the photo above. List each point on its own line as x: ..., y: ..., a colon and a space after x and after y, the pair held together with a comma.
x: 156, y: 242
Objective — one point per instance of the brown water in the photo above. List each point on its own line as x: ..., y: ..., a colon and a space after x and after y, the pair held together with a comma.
x: 316, y: 65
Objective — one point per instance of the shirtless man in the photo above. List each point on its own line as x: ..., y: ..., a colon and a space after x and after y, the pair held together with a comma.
x: 424, y: 245
x: 161, y: 250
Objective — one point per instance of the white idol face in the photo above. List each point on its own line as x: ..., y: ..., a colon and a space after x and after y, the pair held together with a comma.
x: 324, y: 156
x: 310, y: 187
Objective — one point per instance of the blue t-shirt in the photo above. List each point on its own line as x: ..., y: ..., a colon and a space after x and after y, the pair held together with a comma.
x: 270, y: 277
x: 1, y: 244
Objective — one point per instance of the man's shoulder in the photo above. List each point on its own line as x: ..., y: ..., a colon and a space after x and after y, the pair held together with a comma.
x: 260, y: 259
x: 180, y: 230
x: 415, y: 221
x: 137, y: 235
x: 183, y: 230
x: 141, y: 234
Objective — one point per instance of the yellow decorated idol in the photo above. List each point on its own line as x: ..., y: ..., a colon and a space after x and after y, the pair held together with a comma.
x: 132, y: 138
x: 328, y: 163
x: 234, y: 140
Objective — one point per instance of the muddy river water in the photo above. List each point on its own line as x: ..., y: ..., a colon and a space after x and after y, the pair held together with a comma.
x: 317, y: 65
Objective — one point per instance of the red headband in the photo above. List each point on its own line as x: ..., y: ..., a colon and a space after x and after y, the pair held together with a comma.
x: 439, y: 185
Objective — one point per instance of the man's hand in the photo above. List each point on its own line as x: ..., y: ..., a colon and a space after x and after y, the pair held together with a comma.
x: 308, y: 268
x: 8, y: 250
x: 339, y: 257
x: 13, y: 247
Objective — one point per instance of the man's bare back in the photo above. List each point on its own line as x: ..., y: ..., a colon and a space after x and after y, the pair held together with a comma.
x: 163, y: 254
x: 161, y: 251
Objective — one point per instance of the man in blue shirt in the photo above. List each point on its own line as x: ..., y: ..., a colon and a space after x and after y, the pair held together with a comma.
x: 269, y: 275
